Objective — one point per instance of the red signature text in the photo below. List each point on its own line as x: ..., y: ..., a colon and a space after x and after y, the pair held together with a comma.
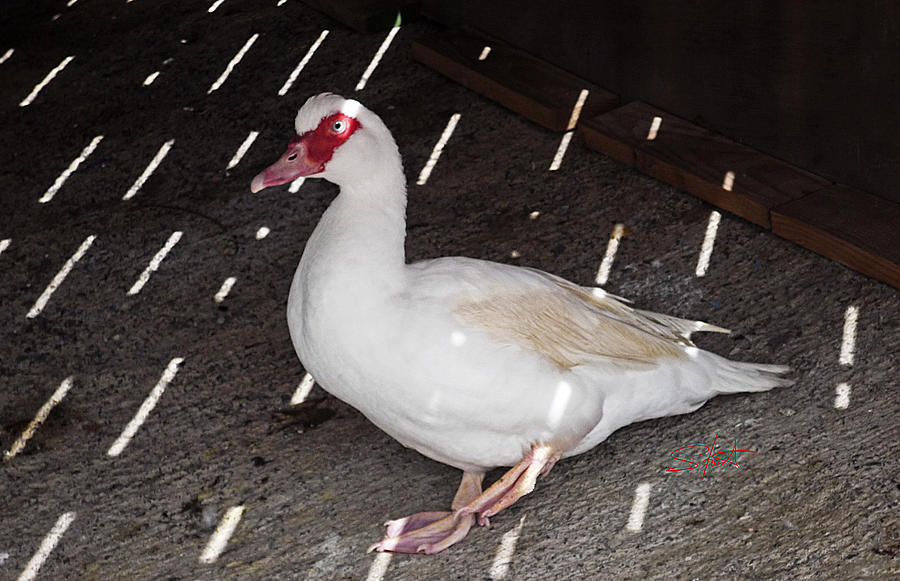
x: 712, y: 459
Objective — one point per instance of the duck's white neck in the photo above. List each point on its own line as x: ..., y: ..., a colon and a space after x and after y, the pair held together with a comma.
x: 360, y: 239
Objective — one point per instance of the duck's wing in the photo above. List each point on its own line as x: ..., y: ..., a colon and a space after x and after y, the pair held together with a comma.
x: 663, y: 326
x: 568, y: 324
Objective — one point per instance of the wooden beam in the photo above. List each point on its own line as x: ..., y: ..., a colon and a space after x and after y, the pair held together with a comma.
x: 850, y: 226
x: 530, y: 87
x: 727, y: 174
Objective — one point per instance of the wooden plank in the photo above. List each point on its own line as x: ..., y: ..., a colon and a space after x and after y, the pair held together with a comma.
x: 698, y: 161
x: 850, y: 226
x: 530, y: 87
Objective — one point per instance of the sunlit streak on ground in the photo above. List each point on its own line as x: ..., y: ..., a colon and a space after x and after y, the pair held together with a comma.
x: 502, y: 559
x: 154, y: 263
x: 242, y: 150
x: 847, y: 356
x: 561, y: 150
x: 89, y: 149
x: 224, y: 289
x: 848, y: 343
x: 232, y: 63
x: 708, y: 241
x: 39, y: 418
x: 612, y: 246
x: 47, y: 545
x: 50, y: 76
x: 148, y: 171
x: 842, y: 397
x: 438, y: 148
x: 639, y: 507
x: 59, y: 278
x: 146, y: 407
x: 223, y: 532
x: 376, y: 59
x: 379, y: 566
x: 296, y: 72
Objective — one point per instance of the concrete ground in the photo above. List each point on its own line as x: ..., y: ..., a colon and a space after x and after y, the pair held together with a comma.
x: 817, y: 499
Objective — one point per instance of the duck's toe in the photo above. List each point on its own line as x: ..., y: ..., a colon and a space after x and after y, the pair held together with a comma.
x: 418, y: 534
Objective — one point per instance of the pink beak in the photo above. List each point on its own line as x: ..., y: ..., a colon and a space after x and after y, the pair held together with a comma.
x: 293, y: 164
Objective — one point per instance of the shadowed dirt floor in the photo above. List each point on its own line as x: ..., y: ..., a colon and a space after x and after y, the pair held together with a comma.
x: 817, y: 499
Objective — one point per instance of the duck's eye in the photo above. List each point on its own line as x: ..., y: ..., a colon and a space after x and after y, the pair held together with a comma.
x: 338, y: 127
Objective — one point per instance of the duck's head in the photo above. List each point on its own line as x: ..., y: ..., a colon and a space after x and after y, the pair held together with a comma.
x: 337, y: 139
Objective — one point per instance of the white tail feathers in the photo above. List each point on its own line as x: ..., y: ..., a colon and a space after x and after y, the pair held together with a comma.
x: 738, y: 376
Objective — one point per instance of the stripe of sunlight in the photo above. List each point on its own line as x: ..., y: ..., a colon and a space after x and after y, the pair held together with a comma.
x: 438, y: 149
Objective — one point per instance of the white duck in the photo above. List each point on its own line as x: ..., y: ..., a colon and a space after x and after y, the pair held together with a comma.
x: 472, y: 363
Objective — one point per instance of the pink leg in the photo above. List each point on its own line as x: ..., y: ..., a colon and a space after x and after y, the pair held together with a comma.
x: 432, y: 532
x: 515, y: 484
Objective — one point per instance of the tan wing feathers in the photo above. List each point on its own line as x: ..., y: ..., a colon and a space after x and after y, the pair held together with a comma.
x: 574, y: 327
x: 665, y: 326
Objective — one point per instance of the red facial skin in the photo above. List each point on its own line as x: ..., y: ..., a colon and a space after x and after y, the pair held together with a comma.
x: 308, y: 154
